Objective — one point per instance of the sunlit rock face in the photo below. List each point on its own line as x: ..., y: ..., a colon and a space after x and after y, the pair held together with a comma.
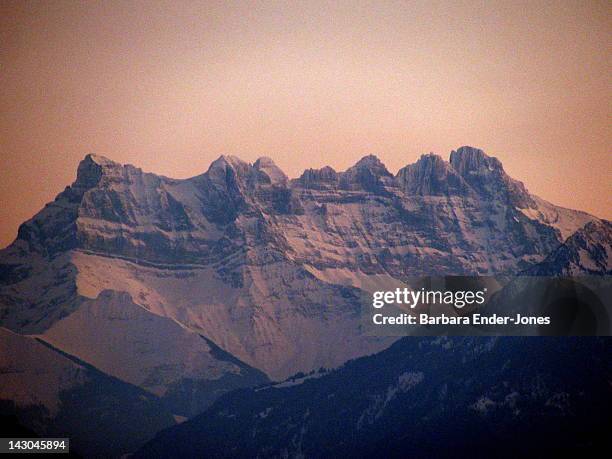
x: 151, y: 297
x: 318, y: 178
x: 173, y: 292
x: 272, y: 271
x: 486, y: 175
x: 586, y: 252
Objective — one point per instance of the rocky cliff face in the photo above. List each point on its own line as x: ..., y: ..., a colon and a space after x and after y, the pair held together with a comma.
x: 255, y: 272
x: 120, y: 210
x: 486, y: 175
x: 256, y: 262
x: 432, y: 176
x: 586, y: 252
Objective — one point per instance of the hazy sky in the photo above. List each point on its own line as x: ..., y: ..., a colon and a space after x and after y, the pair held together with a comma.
x: 169, y: 86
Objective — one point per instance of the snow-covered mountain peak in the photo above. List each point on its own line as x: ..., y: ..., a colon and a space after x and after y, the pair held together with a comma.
x: 99, y: 159
x: 264, y: 161
x: 486, y: 175
x: 318, y: 178
x: 369, y: 174
x: 94, y: 162
x: 189, y: 288
x: 431, y: 175
x: 372, y: 163
x: 587, y: 251
x: 271, y: 172
x: 228, y: 161
x: 432, y: 157
x: 91, y: 168
x: 229, y: 171
x: 466, y: 159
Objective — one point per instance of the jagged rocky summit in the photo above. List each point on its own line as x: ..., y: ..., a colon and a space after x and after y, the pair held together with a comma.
x: 240, y: 275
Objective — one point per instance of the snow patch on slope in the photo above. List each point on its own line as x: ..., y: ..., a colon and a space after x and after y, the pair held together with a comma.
x: 358, y: 279
x: 567, y: 221
x: 128, y: 342
x: 279, y: 321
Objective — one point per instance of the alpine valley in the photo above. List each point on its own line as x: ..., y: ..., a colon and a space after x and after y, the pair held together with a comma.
x: 134, y: 302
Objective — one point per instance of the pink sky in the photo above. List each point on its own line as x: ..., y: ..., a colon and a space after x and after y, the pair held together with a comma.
x: 169, y: 86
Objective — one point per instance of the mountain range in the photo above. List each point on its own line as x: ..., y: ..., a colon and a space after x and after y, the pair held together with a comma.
x: 421, y: 398
x: 176, y: 292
